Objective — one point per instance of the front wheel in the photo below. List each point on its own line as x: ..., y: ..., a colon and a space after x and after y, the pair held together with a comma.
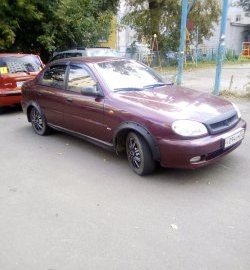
x: 139, y: 154
x: 38, y: 122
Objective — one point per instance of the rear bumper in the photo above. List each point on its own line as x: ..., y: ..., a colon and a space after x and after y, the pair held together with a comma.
x: 177, y: 153
x: 10, y: 97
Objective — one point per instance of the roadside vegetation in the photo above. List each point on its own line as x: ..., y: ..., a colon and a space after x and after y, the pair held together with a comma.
x: 42, y: 26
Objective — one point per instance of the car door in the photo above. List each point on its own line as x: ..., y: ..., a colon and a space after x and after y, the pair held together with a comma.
x: 83, y: 110
x: 50, y: 93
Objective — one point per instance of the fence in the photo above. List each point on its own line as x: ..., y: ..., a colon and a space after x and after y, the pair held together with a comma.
x: 170, y: 58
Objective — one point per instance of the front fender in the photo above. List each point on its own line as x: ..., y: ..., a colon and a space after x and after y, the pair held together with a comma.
x: 29, y: 107
x: 133, y: 126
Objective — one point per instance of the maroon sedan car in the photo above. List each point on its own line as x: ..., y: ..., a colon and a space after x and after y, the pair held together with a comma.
x: 125, y: 106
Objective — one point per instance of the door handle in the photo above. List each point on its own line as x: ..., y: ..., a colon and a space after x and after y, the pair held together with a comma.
x: 39, y: 93
x: 69, y: 99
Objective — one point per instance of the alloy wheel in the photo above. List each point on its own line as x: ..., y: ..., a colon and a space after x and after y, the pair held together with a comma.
x: 134, y: 154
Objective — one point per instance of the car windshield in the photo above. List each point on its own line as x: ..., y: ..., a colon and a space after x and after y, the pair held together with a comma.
x: 127, y: 75
x: 15, y: 64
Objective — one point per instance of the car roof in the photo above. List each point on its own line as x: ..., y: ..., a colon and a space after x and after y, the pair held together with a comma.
x: 88, y: 59
x: 82, y: 50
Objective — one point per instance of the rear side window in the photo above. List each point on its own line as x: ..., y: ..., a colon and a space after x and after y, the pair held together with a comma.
x: 67, y: 55
x: 59, y: 56
x: 54, y: 76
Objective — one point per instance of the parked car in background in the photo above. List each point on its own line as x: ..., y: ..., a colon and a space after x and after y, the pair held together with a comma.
x: 15, y: 69
x: 96, y: 51
x: 125, y: 106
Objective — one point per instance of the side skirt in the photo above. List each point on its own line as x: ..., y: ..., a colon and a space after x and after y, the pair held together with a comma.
x: 103, y: 144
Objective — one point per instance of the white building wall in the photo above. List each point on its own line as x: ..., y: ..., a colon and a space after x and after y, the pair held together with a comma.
x: 234, y: 31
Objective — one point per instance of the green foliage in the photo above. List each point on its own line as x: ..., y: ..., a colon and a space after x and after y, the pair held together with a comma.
x: 13, y: 15
x: 76, y: 23
x: 44, y: 25
x: 163, y: 17
x: 204, y: 15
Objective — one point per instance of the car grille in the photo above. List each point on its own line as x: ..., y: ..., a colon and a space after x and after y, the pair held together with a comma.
x: 223, y: 124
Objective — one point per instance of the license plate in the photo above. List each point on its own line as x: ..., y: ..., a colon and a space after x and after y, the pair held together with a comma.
x: 234, y: 138
x: 19, y: 84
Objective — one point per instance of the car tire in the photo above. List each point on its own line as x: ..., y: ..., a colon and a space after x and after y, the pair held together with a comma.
x: 38, y: 122
x: 139, y: 154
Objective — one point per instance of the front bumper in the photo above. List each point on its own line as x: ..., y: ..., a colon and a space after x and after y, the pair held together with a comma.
x: 177, y: 153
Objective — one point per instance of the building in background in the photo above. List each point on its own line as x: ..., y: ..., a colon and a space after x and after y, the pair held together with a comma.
x: 112, y: 40
x: 237, y: 31
x: 121, y: 36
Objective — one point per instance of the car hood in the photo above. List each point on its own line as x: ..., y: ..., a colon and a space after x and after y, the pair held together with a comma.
x: 177, y: 103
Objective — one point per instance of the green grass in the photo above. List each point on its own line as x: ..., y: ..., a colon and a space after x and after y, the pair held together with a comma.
x: 229, y: 94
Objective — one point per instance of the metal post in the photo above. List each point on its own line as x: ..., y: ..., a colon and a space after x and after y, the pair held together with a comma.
x: 221, y: 48
x: 182, y: 40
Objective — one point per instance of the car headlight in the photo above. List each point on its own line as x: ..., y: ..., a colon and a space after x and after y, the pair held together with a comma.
x: 189, y: 128
x: 237, y: 110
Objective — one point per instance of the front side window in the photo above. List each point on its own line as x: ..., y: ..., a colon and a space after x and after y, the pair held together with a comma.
x: 79, y: 78
x: 54, y: 76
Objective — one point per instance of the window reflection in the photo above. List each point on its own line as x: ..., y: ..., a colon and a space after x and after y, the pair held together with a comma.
x: 26, y: 63
x: 127, y: 74
x: 79, y: 78
x: 54, y: 76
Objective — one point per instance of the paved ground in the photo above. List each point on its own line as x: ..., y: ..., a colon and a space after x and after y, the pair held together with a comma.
x: 68, y: 205
x: 234, y: 78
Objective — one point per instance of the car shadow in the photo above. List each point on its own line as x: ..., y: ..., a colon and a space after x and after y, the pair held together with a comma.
x: 119, y: 162
x: 10, y: 110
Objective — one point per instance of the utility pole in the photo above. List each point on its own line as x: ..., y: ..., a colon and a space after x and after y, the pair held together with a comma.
x: 182, y: 40
x: 221, y: 49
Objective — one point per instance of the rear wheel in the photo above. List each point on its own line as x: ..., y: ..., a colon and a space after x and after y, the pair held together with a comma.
x: 38, y: 122
x: 139, y: 154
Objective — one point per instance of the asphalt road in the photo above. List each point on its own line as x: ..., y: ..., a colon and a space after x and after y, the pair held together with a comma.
x: 234, y: 78
x: 68, y: 205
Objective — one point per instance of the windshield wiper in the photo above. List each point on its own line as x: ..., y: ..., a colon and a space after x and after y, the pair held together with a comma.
x: 128, y: 89
x: 157, y: 85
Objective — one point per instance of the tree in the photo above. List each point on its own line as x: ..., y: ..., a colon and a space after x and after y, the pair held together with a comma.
x: 76, y: 23
x: 163, y: 17
x: 13, y: 16
x: 245, y: 4
x: 44, y: 25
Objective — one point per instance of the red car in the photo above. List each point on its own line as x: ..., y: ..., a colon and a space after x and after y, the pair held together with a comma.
x: 125, y: 106
x: 15, y: 69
